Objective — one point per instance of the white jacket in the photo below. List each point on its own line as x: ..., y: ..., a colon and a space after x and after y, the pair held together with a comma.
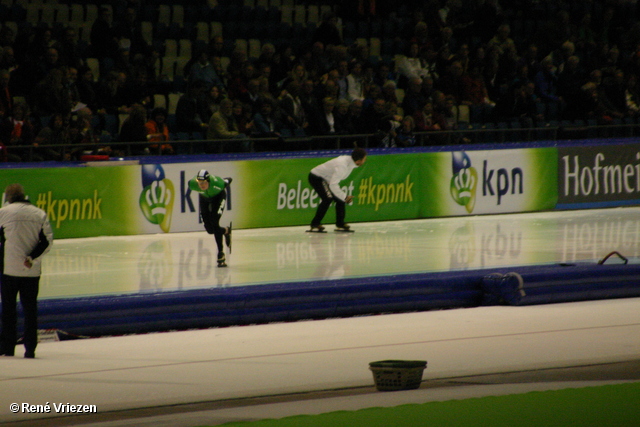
x: 24, y: 232
x: 334, y: 171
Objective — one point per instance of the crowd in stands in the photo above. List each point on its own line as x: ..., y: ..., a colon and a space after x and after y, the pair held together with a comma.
x: 520, y: 61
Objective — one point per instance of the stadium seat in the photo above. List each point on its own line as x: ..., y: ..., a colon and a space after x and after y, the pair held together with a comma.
x: 170, y: 48
x: 202, y: 31
x: 159, y: 100
x: 177, y: 14
x: 172, y: 102
x: 94, y: 64
x: 164, y: 14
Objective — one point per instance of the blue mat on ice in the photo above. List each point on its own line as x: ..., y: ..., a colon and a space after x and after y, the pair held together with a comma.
x: 203, y: 308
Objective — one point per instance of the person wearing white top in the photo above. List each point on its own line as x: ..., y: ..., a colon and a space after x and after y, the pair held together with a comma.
x: 355, y: 85
x: 325, y: 180
x: 26, y: 235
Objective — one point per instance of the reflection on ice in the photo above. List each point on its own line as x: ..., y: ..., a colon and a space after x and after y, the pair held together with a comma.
x: 179, y: 261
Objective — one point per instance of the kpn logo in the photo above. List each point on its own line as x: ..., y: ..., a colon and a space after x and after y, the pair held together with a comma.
x: 156, y: 199
x: 464, y: 180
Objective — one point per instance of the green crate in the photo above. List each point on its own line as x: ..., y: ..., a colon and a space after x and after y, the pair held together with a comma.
x: 393, y: 375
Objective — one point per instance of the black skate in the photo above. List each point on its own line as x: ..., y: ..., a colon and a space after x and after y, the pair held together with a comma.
x: 316, y: 229
x: 344, y: 228
x: 227, y: 237
x: 222, y: 260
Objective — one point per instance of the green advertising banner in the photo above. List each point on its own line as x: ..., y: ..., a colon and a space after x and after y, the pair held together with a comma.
x: 82, y: 202
x: 494, y: 181
x: 404, y: 186
x: 385, y: 187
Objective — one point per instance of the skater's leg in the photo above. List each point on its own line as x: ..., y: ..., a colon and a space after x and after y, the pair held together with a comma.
x: 322, y: 188
x: 9, y: 290
x: 28, y: 300
x: 340, y: 212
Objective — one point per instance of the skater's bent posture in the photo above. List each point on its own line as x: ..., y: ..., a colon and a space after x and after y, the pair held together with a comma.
x: 325, y: 179
x: 213, y: 198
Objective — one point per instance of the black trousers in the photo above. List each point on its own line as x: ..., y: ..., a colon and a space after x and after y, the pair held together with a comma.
x: 211, y: 209
x: 326, y: 197
x: 28, y: 288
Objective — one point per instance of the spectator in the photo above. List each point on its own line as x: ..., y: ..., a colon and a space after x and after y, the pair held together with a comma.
x: 158, y: 132
x: 17, y: 133
x: 8, y: 59
x: 134, y: 128
x: 487, y: 18
x: 426, y: 119
x: 211, y: 103
x: 501, y: 41
x: 632, y: 95
x: 297, y: 74
x: 111, y: 94
x: 591, y: 107
x: 243, y: 116
x: 546, y: 82
x: 325, y: 123
x: 223, y: 125
x: 342, y: 118
x: 216, y: 47
x: 519, y: 104
x: 6, y: 99
x: 294, y: 115
x: 405, y: 136
x: 55, y: 133
x: 251, y: 96
x: 104, y: 39
x: 452, y: 82
x: 531, y: 60
x: 87, y: 88
x: 381, y: 121
x: 388, y: 91
x: 69, y: 51
x: 342, y: 70
x: 51, y: 96
x: 355, y: 82
x: 238, y: 85
x: 613, y: 89
x: 570, y: 82
x: 128, y: 27
x: 475, y: 93
x: 327, y: 32
x: 189, y: 112
x: 414, y: 98
x: 309, y: 97
x: 357, y: 118
x: 202, y: 69
x: 137, y: 89
x: 411, y: 66
x: 267, y: 121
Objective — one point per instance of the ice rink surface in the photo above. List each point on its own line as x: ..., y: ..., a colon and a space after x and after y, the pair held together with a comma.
x: 207, y: 377
x: 179, y: 261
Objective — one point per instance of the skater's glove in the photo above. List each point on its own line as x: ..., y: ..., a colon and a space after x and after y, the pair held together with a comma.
x: 227, y: 180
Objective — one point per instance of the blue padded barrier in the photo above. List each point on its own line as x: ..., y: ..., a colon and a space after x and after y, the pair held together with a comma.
x: 202, y: 308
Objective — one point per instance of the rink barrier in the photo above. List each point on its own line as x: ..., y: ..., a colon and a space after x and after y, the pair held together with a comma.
x: 282, y: 302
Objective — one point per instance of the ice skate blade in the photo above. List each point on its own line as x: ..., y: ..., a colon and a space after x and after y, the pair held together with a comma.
x: 337, y: 230
x: 316, y: 231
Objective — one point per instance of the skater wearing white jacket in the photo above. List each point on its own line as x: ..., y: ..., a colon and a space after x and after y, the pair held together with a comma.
x: 325, y: 180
